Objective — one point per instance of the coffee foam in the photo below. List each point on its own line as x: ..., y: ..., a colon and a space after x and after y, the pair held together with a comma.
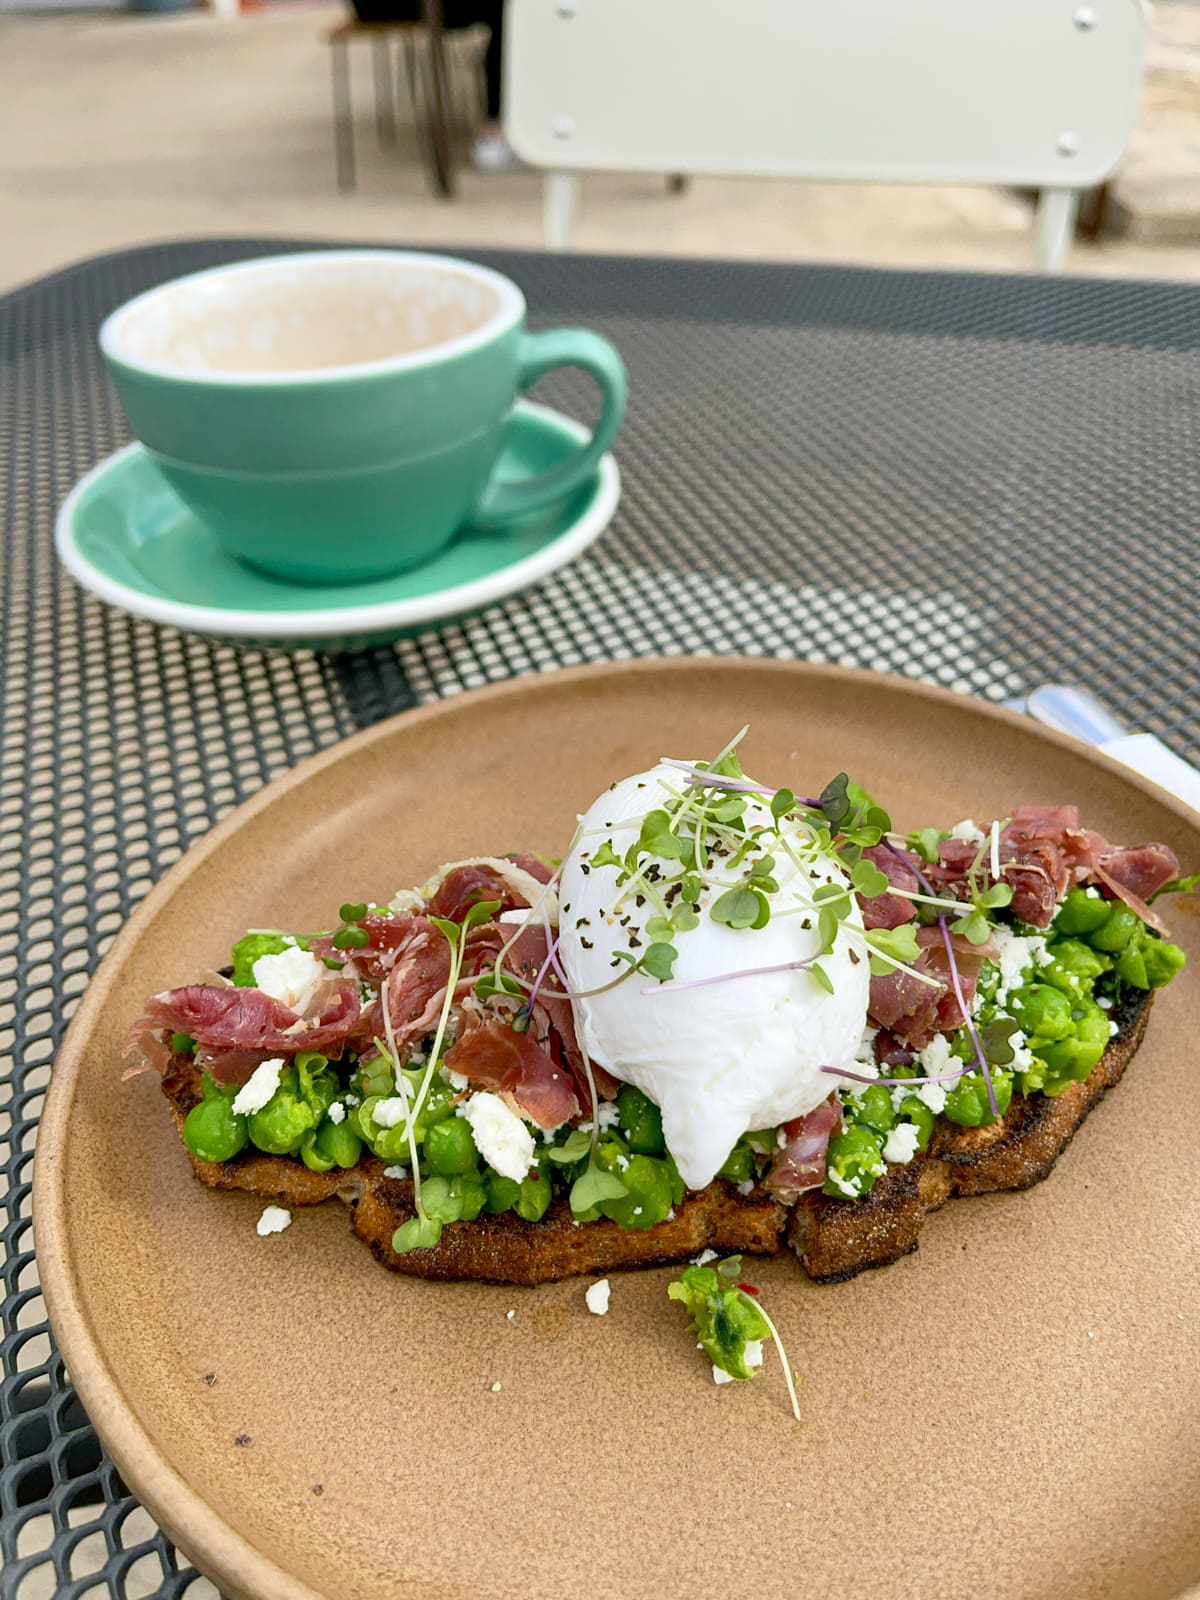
x: 305, y: 316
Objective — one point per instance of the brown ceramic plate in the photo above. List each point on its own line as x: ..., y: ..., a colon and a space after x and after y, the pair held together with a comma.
x: 1012, y: 1411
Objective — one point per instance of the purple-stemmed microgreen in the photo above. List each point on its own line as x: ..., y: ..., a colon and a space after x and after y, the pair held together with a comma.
x: 552, y: 941
x: 898, y: 1083
x: 701, y: 778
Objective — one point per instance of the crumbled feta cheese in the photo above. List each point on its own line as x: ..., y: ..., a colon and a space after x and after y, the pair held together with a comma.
x: 1022, y: 1055
x: 1018, y: 953
x: 935, y: 1058
x: 292, y: 977
x: 937, y: 1061
x: 901, y: 1144
x: 745, y: 1187
x: 933, y: 1095
x: 337, y: 1112
x: 1104, y: 1003
x: 457, y: 1080
x: 516, y: 917
x: 754, y: 1358
x: 968, y: 831
x: 838, y: 1182
x: 258, y: 1087
x: 704, y: 1258
x: 1113, y: 1029
x: 389, y: 1112
x: 273, y: 1220
x: 597, y: 1297
x: 352, y: 1099
x: 607, y: 1116
x: 395, y: 1172
x: 504, y: 1141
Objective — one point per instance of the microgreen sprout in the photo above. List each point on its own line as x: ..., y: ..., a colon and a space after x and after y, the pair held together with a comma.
x: 727, y: 1315
x: 423, y: 1230
x: 956, y: 983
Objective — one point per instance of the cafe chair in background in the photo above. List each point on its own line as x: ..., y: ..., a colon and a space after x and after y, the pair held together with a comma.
x: 444, y: 84
x: 1035, y: 94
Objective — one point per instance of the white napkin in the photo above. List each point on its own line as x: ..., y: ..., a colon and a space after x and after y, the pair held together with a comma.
x: 1149, y: 756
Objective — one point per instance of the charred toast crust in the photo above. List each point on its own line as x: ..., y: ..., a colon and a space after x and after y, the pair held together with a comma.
x: 833, y: 1239
x: 837, y: 1239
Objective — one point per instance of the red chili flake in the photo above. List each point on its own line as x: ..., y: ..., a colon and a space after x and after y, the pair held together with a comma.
x: 747, y: 1288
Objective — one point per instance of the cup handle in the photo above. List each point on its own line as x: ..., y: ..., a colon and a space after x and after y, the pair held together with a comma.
x: 540, y: 353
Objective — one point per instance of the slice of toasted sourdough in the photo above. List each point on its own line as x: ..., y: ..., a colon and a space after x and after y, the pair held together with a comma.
x: 833, y: 1238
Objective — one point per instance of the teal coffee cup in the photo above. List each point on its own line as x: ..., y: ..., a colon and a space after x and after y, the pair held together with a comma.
x: 337, y: 415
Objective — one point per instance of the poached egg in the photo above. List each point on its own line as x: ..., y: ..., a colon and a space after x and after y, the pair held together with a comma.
x: 720, y: 1059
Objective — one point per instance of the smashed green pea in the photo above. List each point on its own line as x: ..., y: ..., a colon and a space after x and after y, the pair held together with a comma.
x: 724, y: 1319
x: 1081, y: 913
x: 967, y: 1102
x: 873, y: 1108
x: 1074, y: 966
x: 914, y: 1110
x: 738, y: 1165
x: 1043, y: 1012
x: 648, y: 1199
x: 450, y: 1148
x: 213, y: 1130
x: 458, y: 1199
x: 854, y: 1161
x: 640, y: 1121
x: 1118, y: 928
x: 280, y: 1127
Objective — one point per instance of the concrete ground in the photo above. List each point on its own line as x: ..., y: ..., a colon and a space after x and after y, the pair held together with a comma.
x: 119, y: 129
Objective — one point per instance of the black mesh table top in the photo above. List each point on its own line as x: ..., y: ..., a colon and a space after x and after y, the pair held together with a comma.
x: 989, y: 482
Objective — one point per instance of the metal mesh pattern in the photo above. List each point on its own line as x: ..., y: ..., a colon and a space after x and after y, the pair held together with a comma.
x: 989, y: 482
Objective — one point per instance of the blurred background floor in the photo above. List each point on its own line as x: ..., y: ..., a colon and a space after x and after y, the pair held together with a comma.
x: 161, y: 126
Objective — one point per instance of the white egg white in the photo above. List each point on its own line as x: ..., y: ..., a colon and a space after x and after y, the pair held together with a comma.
x: 729, y: 1057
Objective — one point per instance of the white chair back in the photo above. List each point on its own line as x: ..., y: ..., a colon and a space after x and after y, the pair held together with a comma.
x: 1037, y: 93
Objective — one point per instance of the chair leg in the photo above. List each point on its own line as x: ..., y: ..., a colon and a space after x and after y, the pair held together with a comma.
x: 385, y: 105
x: 343, y: 116
x: 1055, y: 226
x: 560, y: 203
x: 438, y: 101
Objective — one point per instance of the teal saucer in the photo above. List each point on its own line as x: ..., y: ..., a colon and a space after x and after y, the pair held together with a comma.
x: 124, y: 535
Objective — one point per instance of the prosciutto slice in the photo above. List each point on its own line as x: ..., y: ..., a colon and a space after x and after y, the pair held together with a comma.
x: 236, y: 1029
x: 416, y: 984
x: 490, y: 1052
x: 1141, y: 870
x: 890, y: 910
x: 801, y: 1160
x: 466, y: 886
x: 551, y: 1016
x: 1043, y: 851
x: 912, y: 1011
